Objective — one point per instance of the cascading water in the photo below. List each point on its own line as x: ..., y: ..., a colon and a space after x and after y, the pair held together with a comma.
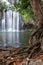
x: 11, y: 21
x: 11, y: 25
x: 3, y: 22
x: 16, y: 19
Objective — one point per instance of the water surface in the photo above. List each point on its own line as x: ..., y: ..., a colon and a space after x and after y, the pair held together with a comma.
x: 14, y: 39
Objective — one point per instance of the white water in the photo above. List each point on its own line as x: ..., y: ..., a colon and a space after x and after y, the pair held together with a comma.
x: 10, y: 26
x: 11, y: 21
x: 3, y: 22
x: 18, y: 21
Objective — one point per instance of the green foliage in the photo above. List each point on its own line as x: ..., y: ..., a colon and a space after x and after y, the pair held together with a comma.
x: 41, y: 0
x: 25, y: 9
x: 3, y: 5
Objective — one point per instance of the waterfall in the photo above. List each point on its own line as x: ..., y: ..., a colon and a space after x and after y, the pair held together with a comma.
x: 14, y: 21
x: 11, y: 21
x: 13, y: 1
x: 18, y: 21
x: 11, y: 25
x: 3, y: 22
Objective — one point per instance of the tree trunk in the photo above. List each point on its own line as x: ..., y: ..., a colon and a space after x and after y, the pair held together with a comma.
x: 37, y: 35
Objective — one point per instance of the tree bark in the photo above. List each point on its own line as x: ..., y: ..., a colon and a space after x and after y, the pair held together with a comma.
x: 37, y: 35
x: 37, y: 9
